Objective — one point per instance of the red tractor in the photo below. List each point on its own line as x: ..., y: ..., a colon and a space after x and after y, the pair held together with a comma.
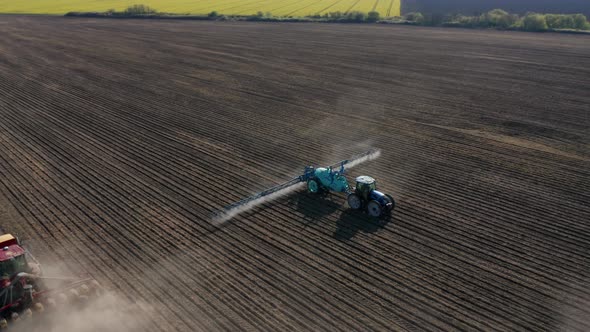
x: 23, y: 288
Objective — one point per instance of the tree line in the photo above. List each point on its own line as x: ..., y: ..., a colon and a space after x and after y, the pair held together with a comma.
x: 494, y: 19
x: 501, y: 19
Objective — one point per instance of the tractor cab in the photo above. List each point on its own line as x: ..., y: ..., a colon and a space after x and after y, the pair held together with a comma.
x: 366, y: 197
x: 364, y: 186
x: 12, y: 257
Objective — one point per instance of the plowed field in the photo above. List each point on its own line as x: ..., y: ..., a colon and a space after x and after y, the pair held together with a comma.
x: 119, y: 139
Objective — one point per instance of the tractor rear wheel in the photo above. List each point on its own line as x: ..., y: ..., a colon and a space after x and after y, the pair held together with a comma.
x: 354, y: 201
x: 313, y: 186
x: 374, y: 209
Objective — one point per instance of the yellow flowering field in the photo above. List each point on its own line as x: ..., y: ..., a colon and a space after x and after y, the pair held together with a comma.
x: 228, y: 7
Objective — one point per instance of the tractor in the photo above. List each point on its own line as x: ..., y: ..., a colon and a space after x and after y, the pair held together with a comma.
x: 321, y: 181
x: 23, y: 287
x: 364, y: 197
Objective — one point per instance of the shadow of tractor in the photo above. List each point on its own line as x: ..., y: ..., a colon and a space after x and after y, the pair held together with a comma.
x: 351, y: 222
x: 315, y: 207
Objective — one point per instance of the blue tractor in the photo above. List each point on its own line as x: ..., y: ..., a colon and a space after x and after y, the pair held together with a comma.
x: 364, y: 197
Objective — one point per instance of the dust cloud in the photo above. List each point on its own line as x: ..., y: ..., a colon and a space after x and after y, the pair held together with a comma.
x: 224, y: 217
x: 572, y: 311
x: 372, y: 156
x: 105, y: 312
x: 99, y: 309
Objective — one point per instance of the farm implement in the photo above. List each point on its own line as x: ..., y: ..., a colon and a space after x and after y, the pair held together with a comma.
x: 320, y: 181
x: 25, y: 291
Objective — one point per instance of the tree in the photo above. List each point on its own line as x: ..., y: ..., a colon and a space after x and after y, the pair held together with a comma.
x: 334, y: 15
x: 139, y: 10
x: 355, y: 16
x: 417, y: 18
x: 554, y: 21
x: 373, y: 16
x: 498, y: 18
x: 213, y: 15
x: 260, y: 16
x: 580, y: 22
x: 535, y: 22
x: 468, y: 21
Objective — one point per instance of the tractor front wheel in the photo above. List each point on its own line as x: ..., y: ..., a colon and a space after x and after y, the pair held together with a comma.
x: 374, y: 209
x: 392, y: 202
x: 354, y: 201
x: 313, y: 186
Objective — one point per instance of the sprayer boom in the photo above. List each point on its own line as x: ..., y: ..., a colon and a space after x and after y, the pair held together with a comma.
x: 261, y: 194
x: 368, y: 155
x: 309, y: 173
